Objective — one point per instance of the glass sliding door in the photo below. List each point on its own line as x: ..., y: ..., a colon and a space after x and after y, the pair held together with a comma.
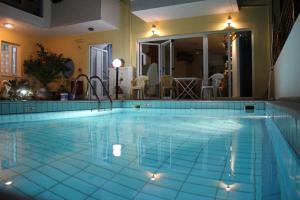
x: 219, y: 62
x: 230, y: 54
x: 155, y: 60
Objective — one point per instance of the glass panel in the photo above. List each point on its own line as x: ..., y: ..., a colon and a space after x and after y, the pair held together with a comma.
x: 104, y: 74
x: 166, y: 58
x: 5, y: 62
x: 9, y: 59
x: 14, y: 60
x: 188, y: 57
x: 218, y: 62
x: 149, y: 66
x: 231, y: 55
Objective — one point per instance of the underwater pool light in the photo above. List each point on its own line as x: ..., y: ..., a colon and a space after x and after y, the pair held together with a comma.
x: 8, y: 183
x: 153, y: 177
x: 117, y: 150
x: 228, y: 188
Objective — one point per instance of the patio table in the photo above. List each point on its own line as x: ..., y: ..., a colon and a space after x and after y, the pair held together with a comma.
x: 187, y: 84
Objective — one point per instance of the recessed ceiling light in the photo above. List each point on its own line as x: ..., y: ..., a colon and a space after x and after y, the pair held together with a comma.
x: 8, y: 25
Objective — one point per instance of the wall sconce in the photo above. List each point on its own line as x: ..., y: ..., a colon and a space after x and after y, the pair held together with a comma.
x: 153, y: 29
x: 229, y: 21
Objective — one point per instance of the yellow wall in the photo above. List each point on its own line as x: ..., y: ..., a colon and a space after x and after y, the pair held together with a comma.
x: 255, y: 19
x: 125, y: 39
x: 26, y: 49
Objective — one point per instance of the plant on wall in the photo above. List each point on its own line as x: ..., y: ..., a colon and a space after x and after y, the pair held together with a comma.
x: 46, y: 67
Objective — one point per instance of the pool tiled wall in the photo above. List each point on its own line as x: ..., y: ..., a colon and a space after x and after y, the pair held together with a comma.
x: 22, y: 107
x: 236, y: 105
x: 286, y: 116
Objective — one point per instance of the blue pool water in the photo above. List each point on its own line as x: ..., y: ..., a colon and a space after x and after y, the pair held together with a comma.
x: 145, y: 154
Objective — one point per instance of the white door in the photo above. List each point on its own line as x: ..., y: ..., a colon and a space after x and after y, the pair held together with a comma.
x: 99, y: 67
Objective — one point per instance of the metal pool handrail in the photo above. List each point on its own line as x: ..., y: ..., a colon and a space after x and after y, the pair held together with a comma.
x: 104, y: 88
x: 89, y: 82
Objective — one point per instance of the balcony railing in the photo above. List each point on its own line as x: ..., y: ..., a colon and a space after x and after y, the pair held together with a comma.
x: 34, y: 7
x: 288, y: 16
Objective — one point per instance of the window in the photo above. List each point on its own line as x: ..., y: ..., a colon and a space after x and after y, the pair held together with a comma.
x: 9, y: 59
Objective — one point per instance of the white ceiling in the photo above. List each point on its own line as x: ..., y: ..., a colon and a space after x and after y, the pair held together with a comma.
x: 192, y: 9
x: 72, y: 23
x: 81, y: 28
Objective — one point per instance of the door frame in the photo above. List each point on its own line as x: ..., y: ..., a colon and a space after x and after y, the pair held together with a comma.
x: 90, y: 62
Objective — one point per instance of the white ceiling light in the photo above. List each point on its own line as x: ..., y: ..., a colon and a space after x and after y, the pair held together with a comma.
x: 117, y: 63
x: 117, y: 150
x: 8, y: 25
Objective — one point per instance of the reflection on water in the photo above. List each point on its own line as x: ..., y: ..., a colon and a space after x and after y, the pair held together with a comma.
x: 9, y: 149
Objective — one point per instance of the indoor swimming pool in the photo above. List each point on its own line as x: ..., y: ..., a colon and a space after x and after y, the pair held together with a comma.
x: 148, y: 154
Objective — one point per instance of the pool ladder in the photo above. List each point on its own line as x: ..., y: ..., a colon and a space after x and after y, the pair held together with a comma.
x: 89, y: 84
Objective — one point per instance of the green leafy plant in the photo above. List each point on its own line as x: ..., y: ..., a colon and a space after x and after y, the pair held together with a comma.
x: 19, y: 90
x: 46, y: 67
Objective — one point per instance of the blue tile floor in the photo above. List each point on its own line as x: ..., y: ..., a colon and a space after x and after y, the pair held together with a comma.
x: 140, y: 154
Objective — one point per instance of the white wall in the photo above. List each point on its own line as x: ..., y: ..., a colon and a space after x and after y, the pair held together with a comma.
x: 235, y: 68
x: 287, y: 67
x: 70, y: 12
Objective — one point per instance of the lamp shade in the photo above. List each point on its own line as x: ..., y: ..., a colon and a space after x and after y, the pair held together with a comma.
x: 117, y: 150
x: 117, y: 63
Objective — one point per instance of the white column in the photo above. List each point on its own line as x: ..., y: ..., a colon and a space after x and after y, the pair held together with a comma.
x: 229, y: 64
x: 205, y: 59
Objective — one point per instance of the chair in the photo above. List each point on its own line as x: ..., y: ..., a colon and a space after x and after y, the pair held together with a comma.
x: 215, y: 80
x: 138, y: 85
x: 166, y: 83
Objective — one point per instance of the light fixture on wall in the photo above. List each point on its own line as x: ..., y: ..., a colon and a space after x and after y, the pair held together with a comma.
x: 229, y: 21
x: 8, y: 25
x: 153, y: 29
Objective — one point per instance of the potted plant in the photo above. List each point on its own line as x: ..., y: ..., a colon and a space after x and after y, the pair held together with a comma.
x: 18, y: 90
x: 46, y: 68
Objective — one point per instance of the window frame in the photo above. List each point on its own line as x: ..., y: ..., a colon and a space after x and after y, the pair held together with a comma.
x: 13, y: 60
